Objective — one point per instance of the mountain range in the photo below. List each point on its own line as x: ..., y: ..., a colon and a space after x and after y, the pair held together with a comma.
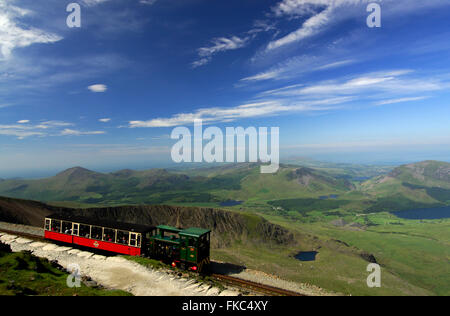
x: 421, y: 184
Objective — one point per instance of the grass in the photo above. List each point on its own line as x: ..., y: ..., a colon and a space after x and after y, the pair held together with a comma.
x: 24, y: 274
x: 148, y: 263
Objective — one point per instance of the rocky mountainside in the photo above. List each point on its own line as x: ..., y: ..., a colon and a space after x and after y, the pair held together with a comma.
x: 310, y: 177
x: 226, y: 227
x: 426, y: 172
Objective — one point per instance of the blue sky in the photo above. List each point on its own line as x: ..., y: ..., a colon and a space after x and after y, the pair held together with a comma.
x: 107, y: 95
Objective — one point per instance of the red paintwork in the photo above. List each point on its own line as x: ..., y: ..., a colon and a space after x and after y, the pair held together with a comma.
x: 91, y: 243
x: 58, y: 236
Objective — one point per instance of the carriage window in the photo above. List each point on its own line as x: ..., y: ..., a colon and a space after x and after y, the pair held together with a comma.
x: 97, y: 233
x: 122, y: 237
x: 67, y: 228
x: 56, y: 225
x: 47, y: 224
x: 75, y: 229
x: 138, y: 240
x: 85, y: 231
x: 109, y: 235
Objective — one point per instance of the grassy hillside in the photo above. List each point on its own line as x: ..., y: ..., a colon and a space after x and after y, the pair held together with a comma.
x: 24, y: 274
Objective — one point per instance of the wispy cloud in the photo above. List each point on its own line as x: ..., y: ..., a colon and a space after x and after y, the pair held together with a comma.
x: 104, y: 120
x: 23, y: 129
x: 220, y: 44
x: 147, y: 2
x: 263, y: 76
x: 310, y: 27
x: 249, y: 110
x: 400, y: 85
x: 14, y: 35
x: 297, y: 66
x: 71, y: 132
x: 393, y: 81
x: 401, y: 100
x: 92, y: 3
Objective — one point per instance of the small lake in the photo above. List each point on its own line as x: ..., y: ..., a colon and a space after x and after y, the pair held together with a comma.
x: 425, y: 213
x: 231, y: 203
x: 328, y: 197
x: 306, y: 255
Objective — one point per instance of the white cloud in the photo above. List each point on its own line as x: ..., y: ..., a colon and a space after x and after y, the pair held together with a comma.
x: 91, y: 3
x: 98, y: 88
x: 71, y: 132
x: 401, y: 100
x: 220, y: 44
x: 297, y: 66
x: 263, y: 76
x: 20, y: 131
x: 336, y: 64
x: 14, y: 35
x: 393, y: 82
x: 53, y: 124
x: 147, y: 2
x: 255, y: 109
x: 46, y: 128
x: 321, y: 14
x: 104, y: 120
x: 310, y: 27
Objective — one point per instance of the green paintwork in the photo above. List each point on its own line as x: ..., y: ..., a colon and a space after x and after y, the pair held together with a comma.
x: 169, y: 228
x: 194, y: 232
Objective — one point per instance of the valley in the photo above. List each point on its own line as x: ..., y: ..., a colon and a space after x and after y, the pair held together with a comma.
x: 342, y: 212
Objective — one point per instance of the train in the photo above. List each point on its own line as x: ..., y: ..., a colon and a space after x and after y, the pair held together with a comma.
x: 188, y: 249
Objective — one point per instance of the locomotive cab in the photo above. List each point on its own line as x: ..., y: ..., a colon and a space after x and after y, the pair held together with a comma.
x: 195, y: 248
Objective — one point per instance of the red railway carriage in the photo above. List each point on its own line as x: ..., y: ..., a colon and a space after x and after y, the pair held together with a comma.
x: 123, y: 238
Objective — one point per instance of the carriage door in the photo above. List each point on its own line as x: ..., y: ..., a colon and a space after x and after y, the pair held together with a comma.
x: 134, y: 240
x: 75, y: 229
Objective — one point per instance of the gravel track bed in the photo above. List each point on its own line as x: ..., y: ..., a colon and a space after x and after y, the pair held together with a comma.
x: 264, y: 278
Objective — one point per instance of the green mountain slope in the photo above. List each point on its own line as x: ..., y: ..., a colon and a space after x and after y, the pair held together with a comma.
x: 416, y: 185
x: 156, y: 186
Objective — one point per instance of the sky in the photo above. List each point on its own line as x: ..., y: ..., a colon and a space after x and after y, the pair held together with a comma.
x: 108, y: 94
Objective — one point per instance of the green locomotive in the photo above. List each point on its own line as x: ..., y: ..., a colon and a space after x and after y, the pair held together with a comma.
x: 184, y: 248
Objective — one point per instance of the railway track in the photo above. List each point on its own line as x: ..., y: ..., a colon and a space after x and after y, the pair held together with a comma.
x: 253, y: 286
x: 22, y: 234
x: 226, y: 279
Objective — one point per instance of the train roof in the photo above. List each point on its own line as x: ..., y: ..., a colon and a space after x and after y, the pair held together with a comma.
x: 194, y: 232
x: 103, y: 223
